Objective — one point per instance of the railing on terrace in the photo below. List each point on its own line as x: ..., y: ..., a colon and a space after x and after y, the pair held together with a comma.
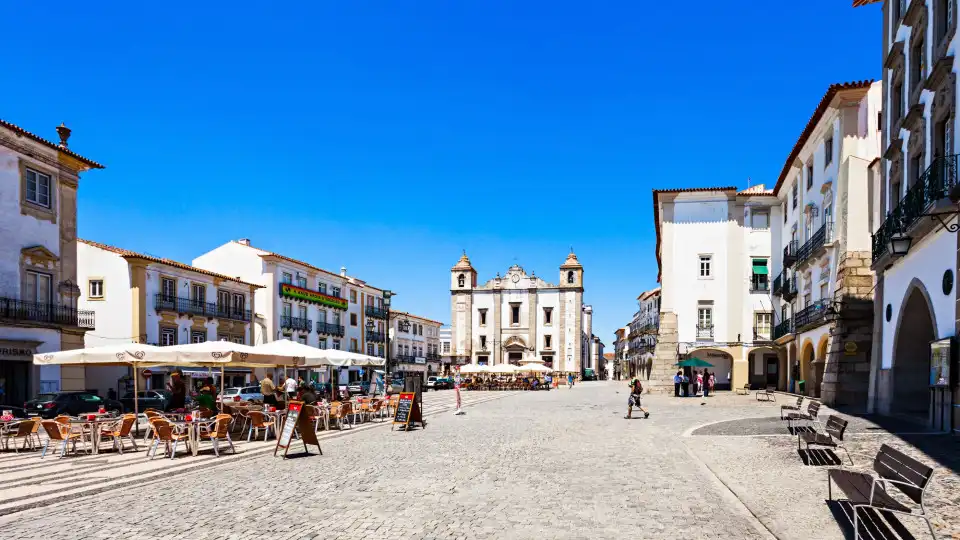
x: 760, y: 286
x: 782, y: 329
x: 375, y: 336
x: 762, y: 333
x: 813, y: 315
x: 189, y: 306
x: 704, y: 332
x: 378, y: 313
x: 778, y: 284
x: 933, y: 185
x: 790, y: 253
x: 19, y: 311
x: 330, y: 329
x: 820, y: 237
x: 296, y: 323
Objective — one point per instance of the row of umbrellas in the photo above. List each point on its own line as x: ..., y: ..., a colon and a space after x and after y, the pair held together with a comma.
x: 505, y: 369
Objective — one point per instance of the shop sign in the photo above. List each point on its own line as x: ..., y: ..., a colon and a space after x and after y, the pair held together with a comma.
x: 850, y: 348
x: 419, y: 360
x: 315, y: 297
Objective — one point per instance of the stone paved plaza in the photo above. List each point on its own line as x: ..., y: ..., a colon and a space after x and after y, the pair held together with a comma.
x: 559, y: 464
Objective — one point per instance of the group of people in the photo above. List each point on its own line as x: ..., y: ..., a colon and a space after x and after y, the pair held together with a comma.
x: 703, y: 382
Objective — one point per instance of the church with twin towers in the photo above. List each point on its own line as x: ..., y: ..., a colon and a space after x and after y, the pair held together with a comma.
x: 520, y: 318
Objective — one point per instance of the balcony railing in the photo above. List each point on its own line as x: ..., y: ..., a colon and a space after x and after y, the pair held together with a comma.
x: 433, y: 357
x: 813, y: 315
x: 778, y: 284
x: 811, y: 246
x: 790, y: 253
x: 762, y: 333
x: 405, y: 358
x: 704, y: 333
x: 782, y: 329
x: 19, y: 311
x: 375, y: 312
x: 189, y: 306
x: 933, y: 185
x: 760, y: 286
x: 330, y: 329
x: 789, y: 290
x: 296, y: 323
x: 376, y: 337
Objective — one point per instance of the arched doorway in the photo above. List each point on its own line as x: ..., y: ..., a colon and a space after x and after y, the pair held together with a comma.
x: 819, y: 364
x: 722, y: 366
x: 806, y: 368
x: 793, y: 366
x: 911, y: 354
x: 764, y: 366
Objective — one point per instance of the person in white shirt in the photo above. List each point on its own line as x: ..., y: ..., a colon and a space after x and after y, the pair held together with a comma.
x: 290, y: 386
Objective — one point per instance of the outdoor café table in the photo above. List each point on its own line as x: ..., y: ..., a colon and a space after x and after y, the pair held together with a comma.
x: 192, y: 429
x: 93, y: 428
x: 277, y: 416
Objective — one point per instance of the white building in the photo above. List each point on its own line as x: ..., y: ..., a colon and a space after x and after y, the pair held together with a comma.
x: 304, y: 303
x: 588, y: 360
x: 145, y: 299
x: 642, y: 335
x: 713, y: 250
x: 621, y: 360
x: 823, y: 287
x: 518, y: 317
x: 446, y: 341
x: 415, y: 344
x: 916, y: 298
x: 38, y: 262
x: 596, y: 355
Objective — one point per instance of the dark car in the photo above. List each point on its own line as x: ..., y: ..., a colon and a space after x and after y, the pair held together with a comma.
x: 148, y: 399
x: 54, y: 404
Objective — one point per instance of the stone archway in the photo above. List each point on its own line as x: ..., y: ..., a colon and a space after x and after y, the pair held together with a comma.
x: 819, y: 364
x: 806, y: 368
x: 722, y: 362
x: 916, y: 328
x: 793, y: 367
x: 764, y: 367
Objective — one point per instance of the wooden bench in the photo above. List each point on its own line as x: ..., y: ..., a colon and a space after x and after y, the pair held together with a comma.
x: 767, y: 393
x: 894, y: 469
x: 810, y: 416
x: 791, y: 407
x: 745, y: 390
x: 832, y: 436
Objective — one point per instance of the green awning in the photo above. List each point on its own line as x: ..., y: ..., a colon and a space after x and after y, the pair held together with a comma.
x: 760, y: 266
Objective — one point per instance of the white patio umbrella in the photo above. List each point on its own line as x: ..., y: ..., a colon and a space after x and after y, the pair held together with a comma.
x: 504, y: 369
x: 310, y: 356
x: 474, y: 368
x: 536, y: 368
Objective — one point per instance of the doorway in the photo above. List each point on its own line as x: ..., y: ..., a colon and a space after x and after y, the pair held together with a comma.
x: 911, y: 357
x: 14, y: 382
x: 773, y: 371
x: 515, y: 358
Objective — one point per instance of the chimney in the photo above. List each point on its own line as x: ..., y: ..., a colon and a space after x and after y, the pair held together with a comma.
x: 244, y: 241
x: 343, y: 271
x: 64, y: 132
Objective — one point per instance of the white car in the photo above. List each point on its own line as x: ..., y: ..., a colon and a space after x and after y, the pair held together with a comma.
x: 242, y: 393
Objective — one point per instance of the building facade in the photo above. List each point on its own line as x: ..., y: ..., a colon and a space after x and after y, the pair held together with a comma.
x: 588, y: 359
x: 914, y: 253
x: 822, y: 289
x: 446, y: 340
x: 642, y: 334
x: 713, y: 252
x: 621, y: 364
x: 39, y: 180
x: 145, y: 299
x: 519, y: 317
x: 415, y: 344
x: 304, y: 303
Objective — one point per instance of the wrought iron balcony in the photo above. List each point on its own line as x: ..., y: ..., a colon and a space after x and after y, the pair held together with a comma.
x: 330, y: 329
x: 933, y: 185
x: 704, y: 333
x: 812, y: 315
x: 376, y: 337
x: 778, y: 284
x: 405, y: 358
x: 812, y: 246
x: 189, y: 306
x: 760, y: 286
x: 20, y: 312
x: 375, y: 312
x: 434, y: 357
x: 790, y: 253
x: 762, y: 333
x: 296, y: 323
x: 789, y: 291
x: 782, y: 329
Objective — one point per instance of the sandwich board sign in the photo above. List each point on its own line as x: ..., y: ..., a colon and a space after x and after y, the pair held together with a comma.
x: 296, y: 420
x: 409, y: 411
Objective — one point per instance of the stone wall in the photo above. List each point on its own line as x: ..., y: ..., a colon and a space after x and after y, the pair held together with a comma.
x: 846, y: 377
x: 660, y: 375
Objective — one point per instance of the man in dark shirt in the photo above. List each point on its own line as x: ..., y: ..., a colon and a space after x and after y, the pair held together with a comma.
x: 307, y: 395
x: 178, y: 391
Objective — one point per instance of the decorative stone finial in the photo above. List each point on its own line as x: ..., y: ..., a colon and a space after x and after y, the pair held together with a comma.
x: 64, y: 133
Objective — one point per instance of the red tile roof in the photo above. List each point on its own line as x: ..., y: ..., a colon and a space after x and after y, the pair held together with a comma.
x: 20, y: 131
x: 832, y: 91
x: 395, y: 314
x: 656, y: 213
x: 127, y: 253
x: 858, y: 3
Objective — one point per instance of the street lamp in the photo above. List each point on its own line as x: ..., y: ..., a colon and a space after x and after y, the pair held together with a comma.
x: 899, y: 244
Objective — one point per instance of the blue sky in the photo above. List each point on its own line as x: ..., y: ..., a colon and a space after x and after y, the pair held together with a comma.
x: 387, y: 136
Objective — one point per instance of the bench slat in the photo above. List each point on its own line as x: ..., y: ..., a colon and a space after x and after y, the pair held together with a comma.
x: 895, y: 465
x: 856, y: 486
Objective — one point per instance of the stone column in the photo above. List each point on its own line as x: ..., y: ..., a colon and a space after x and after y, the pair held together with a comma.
x: 661, y: 376
x: 846, y: 377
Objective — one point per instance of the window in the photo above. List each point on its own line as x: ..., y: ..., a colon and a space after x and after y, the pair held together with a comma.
x: 302, y: 340
x: 828, y: 208
x: 806, y: 299
x: 899, y: 6
x: 514, y: 314
x: 705, y: 265
x: 461, y: 280
x: 353, y: 319
x: 369, y: 349
x: 287, y: 278
x: 238, y: 339
x: 763, y: 325
x: 39, y: 288
x: 96, y: 288
x: 322, y: 316
x: 483, y: 343
x: 894, y: 193
x: 322, y: 287
x: 168, y: 337
x: 760, y: 280
x: 168, y: 288
x: 570, y: 277
x: 783, y: 209
x: 483, y: 317
x: 336, y: 292
x: 287, y: 309
x: 198, y: 293
x: 705, y: 317
x: 547, y: 315
x: 38, y: 188
x: 353, y: 296
x: 828, y: 151
x: 916, y: 64
x: 446, y: 347
x: 301, y: 282
x: 323, y: 343
x: 896, y: 101
x: 547, y: 342
x: 303, y: 312
x: 238, y: 303
x: 810, y: 176
x: 336, y: 344
x: 336, y: 318
x: 793, y: 194
x: 759, y: 220
x: 198, y: 337
x: 915, y: 169
x: 420, y: 326
x: 223, y: 300
x: 222, y: 337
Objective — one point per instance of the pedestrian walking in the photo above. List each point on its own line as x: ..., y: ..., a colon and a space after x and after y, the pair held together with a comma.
x: 290, y: 387
x: 677, y: 381
x: 699, y: 382
x: 456, y: 390
x: 570, y: 380
x: 686, y: 385
x: 636, y: 392
x: 706, y: 390
x: 178, y: 391
x: 711, y: 381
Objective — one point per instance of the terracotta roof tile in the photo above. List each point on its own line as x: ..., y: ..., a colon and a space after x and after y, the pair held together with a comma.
x: 832, y: 91
x: 127, y: 253
x: 858, y: 3
x: 19, y: 130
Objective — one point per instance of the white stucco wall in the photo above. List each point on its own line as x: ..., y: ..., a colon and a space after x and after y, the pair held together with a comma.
x: 114, y: 316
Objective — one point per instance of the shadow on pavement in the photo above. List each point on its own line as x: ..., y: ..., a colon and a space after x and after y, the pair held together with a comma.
x: 873, y: 524
x: 819, y: 457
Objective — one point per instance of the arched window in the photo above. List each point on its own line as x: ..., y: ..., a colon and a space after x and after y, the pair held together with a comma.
x: 461, y: 280
x: 570, y: 277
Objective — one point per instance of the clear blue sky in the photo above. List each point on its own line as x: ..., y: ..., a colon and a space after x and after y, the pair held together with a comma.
x: 386, y: 136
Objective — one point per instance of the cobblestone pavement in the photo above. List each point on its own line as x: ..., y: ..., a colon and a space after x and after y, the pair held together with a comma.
x: 559, y: 464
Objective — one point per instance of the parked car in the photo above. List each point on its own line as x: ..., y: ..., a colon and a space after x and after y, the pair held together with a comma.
x: 359, y: 387
x: 148, y: 399
x: 439, y: 383
x: 396, y: 385
x: 54, y: 404
x: 242, y: 393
